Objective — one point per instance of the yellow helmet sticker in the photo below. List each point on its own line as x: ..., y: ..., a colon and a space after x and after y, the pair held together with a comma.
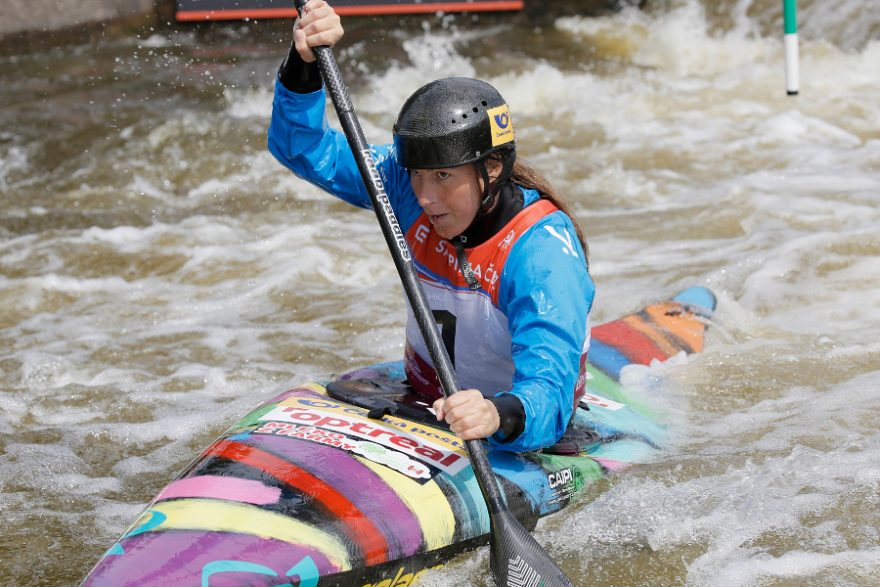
x: 501, y: 125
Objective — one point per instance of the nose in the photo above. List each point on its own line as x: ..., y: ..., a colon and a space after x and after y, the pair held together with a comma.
x: 424, y: 198
x: 424, y: 193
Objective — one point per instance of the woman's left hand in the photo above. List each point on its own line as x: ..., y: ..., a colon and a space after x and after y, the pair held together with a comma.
x: 469, y: 414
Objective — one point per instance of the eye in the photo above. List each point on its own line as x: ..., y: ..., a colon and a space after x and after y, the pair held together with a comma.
x: 414, y: 172
x: 442, y: 174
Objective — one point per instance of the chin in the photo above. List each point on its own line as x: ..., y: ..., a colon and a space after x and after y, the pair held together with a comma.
x: 448, y: 235
x: 447, y: 230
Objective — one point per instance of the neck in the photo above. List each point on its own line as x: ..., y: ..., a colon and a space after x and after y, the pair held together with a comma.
x: 508, y: 203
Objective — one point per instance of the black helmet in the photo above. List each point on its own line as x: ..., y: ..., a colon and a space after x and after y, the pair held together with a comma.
x: 450, y: 122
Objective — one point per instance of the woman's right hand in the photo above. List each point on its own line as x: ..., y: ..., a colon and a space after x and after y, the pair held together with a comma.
x: 318, y: 25
x: 469, y: 414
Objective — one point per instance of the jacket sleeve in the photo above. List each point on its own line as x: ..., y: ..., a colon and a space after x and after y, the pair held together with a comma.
x: 546, y: 294
x: 301, y: 139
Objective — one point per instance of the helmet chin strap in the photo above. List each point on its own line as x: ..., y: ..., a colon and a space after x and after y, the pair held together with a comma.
x: 487, y: 201
x: 489, y: 194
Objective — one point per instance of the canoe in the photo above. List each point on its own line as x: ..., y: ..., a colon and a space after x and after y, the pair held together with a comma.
x: 353, y: 482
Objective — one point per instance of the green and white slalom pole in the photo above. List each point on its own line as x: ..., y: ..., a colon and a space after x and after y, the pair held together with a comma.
x: 792, y: 66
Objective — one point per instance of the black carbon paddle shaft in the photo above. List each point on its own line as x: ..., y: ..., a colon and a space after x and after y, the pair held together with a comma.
x: 517, y: 559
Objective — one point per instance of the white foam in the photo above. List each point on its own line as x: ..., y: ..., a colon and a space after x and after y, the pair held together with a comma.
x: 14, y: 160
x: 769, y: 490
x: 250, y: 103
x: 156, y: 40
x: 180, y: 275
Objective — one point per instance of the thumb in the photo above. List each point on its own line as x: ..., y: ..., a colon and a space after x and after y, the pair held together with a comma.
x: 438, y: 408
x: 302, y: 47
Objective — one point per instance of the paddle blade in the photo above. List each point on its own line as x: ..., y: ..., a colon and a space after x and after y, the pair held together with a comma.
x: 518, y: 560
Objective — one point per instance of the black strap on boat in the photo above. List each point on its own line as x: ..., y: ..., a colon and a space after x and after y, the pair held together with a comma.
x: 378, y: 413
x: 382, y: 397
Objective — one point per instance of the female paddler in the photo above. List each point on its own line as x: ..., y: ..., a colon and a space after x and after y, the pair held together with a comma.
x: 501, y: 260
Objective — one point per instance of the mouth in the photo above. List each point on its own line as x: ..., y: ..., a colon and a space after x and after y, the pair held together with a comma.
x: 435, y: 217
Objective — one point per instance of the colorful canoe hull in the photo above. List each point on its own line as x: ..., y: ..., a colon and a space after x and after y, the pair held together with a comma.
x: 310, y: 490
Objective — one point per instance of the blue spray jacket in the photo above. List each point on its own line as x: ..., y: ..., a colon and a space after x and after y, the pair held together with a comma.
x: 545, y: 291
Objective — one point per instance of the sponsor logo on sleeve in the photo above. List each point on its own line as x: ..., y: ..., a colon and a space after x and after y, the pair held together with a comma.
x: 567, y: 242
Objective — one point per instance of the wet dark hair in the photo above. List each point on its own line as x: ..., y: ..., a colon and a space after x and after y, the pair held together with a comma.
x: 524, y: 175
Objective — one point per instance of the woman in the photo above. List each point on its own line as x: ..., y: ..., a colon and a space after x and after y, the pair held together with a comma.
x: 502, y: 263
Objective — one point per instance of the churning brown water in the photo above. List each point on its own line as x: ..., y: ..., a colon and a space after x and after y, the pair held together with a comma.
x: 161, y: 274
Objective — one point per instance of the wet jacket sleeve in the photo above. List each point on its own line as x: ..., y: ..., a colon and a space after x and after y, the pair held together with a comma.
x: 546, y: 293
x: 301, y: 139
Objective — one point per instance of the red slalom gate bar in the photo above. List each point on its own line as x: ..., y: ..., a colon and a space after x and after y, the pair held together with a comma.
x: 202, y: 10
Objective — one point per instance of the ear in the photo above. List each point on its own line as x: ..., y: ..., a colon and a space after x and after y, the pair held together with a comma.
x: 493, y: 168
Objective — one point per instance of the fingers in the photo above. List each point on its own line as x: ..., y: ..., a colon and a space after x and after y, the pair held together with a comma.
x: 469, y: 414
x: 318, y: 25
x: 319, y: 17
x: 302, y: 47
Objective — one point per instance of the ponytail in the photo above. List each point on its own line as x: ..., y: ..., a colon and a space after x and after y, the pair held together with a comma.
x: 523, y: 175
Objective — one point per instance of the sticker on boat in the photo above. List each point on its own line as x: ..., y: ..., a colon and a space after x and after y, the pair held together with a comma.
x: 369, y: 450
x: 448, y: 459
x: 590, y: 399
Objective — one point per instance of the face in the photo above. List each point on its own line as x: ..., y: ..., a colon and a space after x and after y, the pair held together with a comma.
x: 449, y: 196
